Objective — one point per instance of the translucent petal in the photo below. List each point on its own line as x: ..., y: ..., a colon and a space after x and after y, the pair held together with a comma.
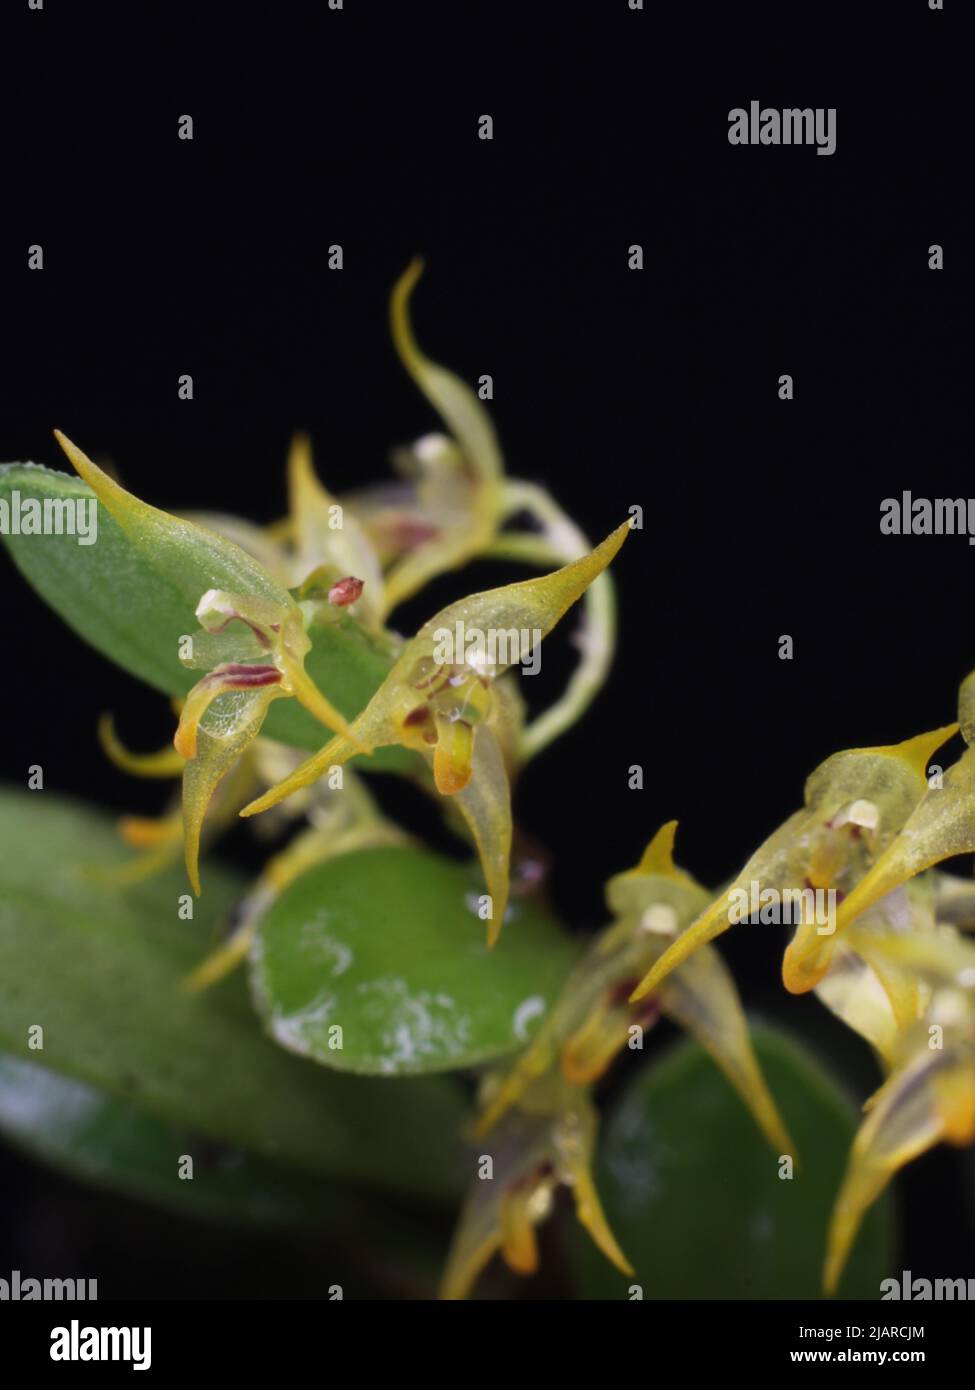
x: 231, y: 722
x: 701, y: 997
x: 485, y: 804
x: 902, y: 1124
x: 476, y: 1241
x: 319, y: 541
x: 852, y: 991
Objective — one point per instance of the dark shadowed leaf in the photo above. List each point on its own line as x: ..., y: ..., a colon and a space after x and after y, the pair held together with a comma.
x: 693, y: 1191
x: 98, y: 968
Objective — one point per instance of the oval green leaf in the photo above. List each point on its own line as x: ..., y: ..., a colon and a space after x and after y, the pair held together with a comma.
x: 98, y: 966
x: 694, y: 1195
x: 99, y: 1140
x: 386, y: 947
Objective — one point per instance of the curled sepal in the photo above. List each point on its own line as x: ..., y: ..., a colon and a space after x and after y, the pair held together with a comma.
x: 461, y: 490
x: 166, y: 762
x: 855, y: 803
x: 545, y: 1143
x: 160, y: 839
x: 157, y: 839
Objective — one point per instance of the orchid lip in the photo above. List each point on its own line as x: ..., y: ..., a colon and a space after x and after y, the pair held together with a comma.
x: 246, y: 677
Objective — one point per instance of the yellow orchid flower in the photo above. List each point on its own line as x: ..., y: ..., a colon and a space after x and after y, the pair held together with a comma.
x: 259, y: 660
x: 593, y: 1020
x: 941, y: 826
x: 438, y: 699
x: 547, y: 1141
x: 929, y: 1097
x: 450, y: 509
x: 855, y: 803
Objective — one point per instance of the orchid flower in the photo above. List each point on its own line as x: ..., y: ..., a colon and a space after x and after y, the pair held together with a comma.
x: 546, y: 1141
x: 593, y: 1020
x: 941, y: 826
x: 855, y: 803
x: 252, y: 646
x: 440, y: 699
x: 451, y: 509
x: 524, y: 1107
x: 929, y: 1097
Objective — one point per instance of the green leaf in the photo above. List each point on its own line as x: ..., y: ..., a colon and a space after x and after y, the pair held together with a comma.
x: 91, y: 1136
x: 99, y: 968
x: 135, y: 613
x: 387, y: 944
x: 693, y: 1192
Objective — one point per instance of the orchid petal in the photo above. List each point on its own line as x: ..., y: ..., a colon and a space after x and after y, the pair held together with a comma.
x: 903, y: 1124
x: 341, y: 548
x: 227, y: 727
x: 701, y: 997
x: 485, y: 804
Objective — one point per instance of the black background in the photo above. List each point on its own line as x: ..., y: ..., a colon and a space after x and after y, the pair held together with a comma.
x: 612, y: 387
